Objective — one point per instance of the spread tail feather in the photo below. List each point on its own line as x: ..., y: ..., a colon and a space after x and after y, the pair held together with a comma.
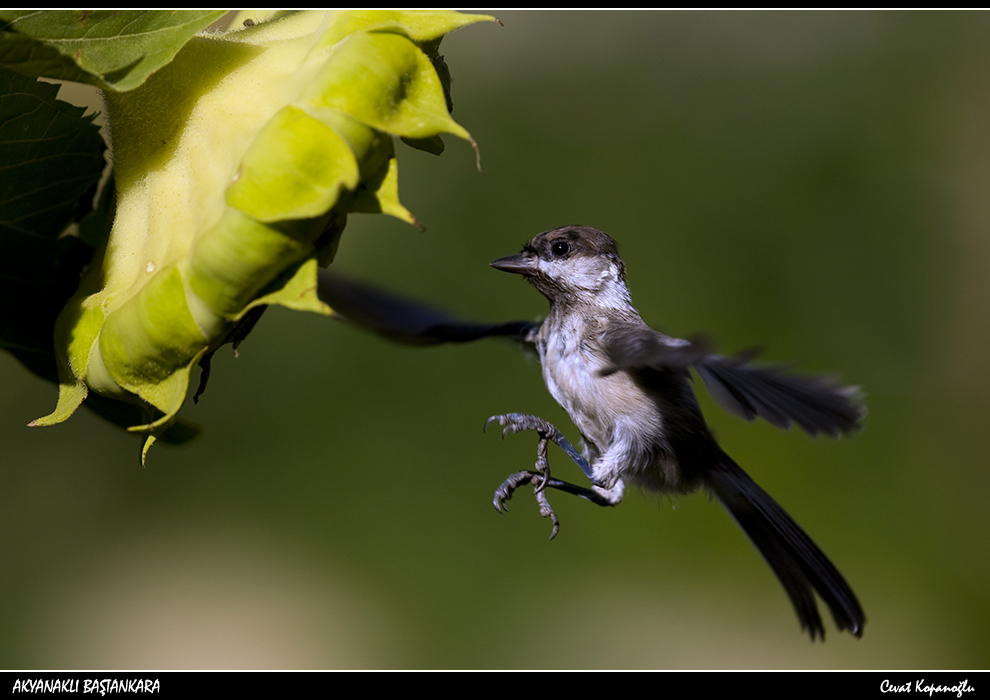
x: 799, y: 564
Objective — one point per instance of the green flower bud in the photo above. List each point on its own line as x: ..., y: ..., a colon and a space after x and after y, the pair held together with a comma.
x: 236, y: 165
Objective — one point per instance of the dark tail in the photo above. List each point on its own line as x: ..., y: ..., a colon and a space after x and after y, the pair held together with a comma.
x: 801, y: 567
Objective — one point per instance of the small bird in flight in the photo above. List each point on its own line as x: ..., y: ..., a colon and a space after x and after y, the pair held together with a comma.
x: 627, y: 389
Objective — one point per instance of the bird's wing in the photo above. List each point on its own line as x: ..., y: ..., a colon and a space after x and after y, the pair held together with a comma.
x: 632, y: 344
x: 817, y: 404
x: 405, y: 321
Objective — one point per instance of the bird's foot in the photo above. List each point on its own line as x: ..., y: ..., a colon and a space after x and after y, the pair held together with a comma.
x: 518, y: 422
x: 504, y: 492
x: 540, y: 477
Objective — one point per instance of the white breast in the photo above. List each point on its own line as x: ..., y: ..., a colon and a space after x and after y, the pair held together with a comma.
x: 605, y: 409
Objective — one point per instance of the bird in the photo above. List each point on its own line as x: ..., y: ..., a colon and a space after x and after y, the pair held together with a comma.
x: 628, y: 390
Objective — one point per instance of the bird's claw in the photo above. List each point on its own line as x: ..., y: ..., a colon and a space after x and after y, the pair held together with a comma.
x: 505, y: 490
x: 518, y: 422
x: 546, y: 510
x: 540, y: 476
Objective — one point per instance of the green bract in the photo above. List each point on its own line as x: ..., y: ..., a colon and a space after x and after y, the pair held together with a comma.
x: 236, y: 165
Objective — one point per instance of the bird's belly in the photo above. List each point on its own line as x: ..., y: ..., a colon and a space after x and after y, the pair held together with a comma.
x: 620, y: 419
x: 602, y: 408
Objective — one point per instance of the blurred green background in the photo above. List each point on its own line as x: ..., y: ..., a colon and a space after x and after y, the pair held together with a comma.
x: 816, y: 184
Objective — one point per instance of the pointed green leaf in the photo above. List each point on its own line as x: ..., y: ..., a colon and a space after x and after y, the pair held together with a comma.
x: 423, y: 27
x: 239, y: 257
x: 408, y: 99
x: 295, y: 169
x: 51, y: 158
x: 50, y: 155
x: 114, y: 49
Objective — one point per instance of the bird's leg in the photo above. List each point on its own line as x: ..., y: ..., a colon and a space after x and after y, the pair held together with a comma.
x: 516, y: 422
x: 540, y: 478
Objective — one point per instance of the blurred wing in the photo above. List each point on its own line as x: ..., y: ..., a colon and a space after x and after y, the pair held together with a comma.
x: 405, y: 321
x: 817, y: 404
x: 633, y: 344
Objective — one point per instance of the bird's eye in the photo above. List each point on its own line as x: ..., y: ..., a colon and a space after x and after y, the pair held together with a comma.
x: 560, y: 248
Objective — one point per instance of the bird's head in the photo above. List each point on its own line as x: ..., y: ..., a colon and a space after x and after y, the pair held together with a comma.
x: 572, y: 264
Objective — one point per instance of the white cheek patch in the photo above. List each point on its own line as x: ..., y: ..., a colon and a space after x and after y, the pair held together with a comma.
x: 586, y: 273
x: 595, y: 279
x: 580, y: 273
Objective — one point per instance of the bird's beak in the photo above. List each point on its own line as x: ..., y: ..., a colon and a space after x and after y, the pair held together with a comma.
x: 522, y: 264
